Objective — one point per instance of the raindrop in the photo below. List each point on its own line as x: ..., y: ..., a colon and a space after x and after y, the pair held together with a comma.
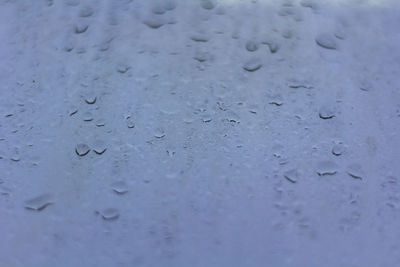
x: 81, y: 28
x: 82, y: 150
x: 326, y: 167
x: 291, y: 175
x: 251, y: 46
x: 87, y: 116
x: 200, y: 37
x: 72, y: 110
x: 120, y: 187
x: 326, y: 41
x: 110, y: 214
x: 153, y: 22
x: 130, y: 122
x: 276, y: 100
x: 122, y: 68
x: 277, y: 150
x: 85, y: 12
x: 207, y: 4
x: 273, y: 46
x: 338, y: 149
x: 206, y: 118
x: 38, y: 203
x: 252, y: 65
x: 90, y: 99
x: 99, y: 147
x: 326, y: 112
x: 169, y: 5
x: 233, y: 117
x: 159, y: 133
x: 200, y: 56
x: 158, y: 10
x: 100, y: 122
x: 355, y: 171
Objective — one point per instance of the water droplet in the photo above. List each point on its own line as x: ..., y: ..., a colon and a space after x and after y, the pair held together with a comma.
x: 110, y: 214
x: 200, y: 56
x: 338, y: 149
x: 355, y: 171
x: 200, y: 37
x: 82, y: 150
x: 86, y: 11
x: 159, y: 133
x: 326, y: 41
x: 90, y: 99
x: 99, y: 147
x: 207, y: 4
x: 251, y: 46
x: 252, y: 65
x: 206, y: 118
x: 169, y: 5
x: 122, y: 68
x: 276, y: 100
x: 291, y: 175
x: 153, y: 22
x: 130, y: 123
x: 326, y: 167
x: 100, y: 122
x: 72, y: 110
x: 158, y: 10
x: 326, y: 112
x: 120, y: 187
x: 232, y: 117
x: 87, y: 116
x: 81, y: 28
x: 38, y: 203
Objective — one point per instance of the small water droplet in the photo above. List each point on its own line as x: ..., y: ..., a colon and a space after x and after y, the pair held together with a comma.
x: 130, y: 123
x: 326, y: 41
x: 338, y: 149
x: 120, y: 187
x: 326, y: 112
x: 159, y: 133
x: 82, y: 150
x: 81, y: 28
x: 110, y: 214
x: 38, y: 203
x: 90, y: 98
x: 99, y: 147
x: 87, y: 116
x: 200, y: 37
x: 207, y: 4
x: 355, y: 171
x: 326, y: 167
x: 72, y: 110
x: 122, y: 68
x: 86, y: 11
x: 153, y: 22
x: 251, y: 46
x: 291, y: 175
x: 252, y: 65
x: 100, y: 122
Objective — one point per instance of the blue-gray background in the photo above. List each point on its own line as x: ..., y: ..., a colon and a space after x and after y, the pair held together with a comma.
x: 237, y: 133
